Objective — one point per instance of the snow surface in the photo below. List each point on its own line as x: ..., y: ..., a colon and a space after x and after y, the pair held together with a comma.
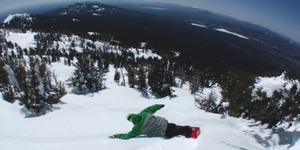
x: 198, y: 25
x: 229, y: 32
x: 24, y: 40
x: 86, y: 121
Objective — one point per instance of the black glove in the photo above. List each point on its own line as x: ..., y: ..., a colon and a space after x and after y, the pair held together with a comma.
x: 112, y: 137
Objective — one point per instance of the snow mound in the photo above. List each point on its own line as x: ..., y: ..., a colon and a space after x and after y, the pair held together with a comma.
x: 269, y: 85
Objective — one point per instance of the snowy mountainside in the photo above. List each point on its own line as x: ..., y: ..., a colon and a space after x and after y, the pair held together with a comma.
x: 94, y: 9
x: 26, y: 40
x: 24, y: 16
x: 217, y: 38
x: 22, y: 21
x: 86, y: 121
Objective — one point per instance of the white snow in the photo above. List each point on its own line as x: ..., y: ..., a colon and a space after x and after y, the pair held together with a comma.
x: 24, y: 40
x: 214, y: 91
x: 198, y: 25
x: 229, y: 32
x: 138, y: 53
x: 95, y: 6
x: 86, y: 121
x: 269, y: 85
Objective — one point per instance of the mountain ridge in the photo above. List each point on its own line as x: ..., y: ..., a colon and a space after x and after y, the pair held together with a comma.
x: 131, y: 26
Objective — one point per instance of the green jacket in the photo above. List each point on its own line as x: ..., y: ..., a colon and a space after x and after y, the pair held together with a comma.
x: 146, y: 124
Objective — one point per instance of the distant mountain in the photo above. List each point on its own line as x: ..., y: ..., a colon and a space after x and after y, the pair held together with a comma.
x: 203, y: 39
x: 24, y: 16
x: 92, y: 9
x: 21, y: 21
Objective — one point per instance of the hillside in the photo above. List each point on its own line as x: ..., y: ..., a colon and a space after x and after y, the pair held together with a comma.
x: 86, y: 121
x: 69, y: 77
x: 198, y: 35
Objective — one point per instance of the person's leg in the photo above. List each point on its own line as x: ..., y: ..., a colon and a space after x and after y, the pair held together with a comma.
x: 171, y: 130
x: 174, y: 130
x: 185, y: 130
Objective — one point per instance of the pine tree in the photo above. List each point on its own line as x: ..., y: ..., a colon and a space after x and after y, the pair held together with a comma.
x: 131, y: 76
x: 117, y: 77
x: 87, y: 77
x: 157, y: 79
x: 6, y: 88
x: 141, y: 81
x: 39, y: 93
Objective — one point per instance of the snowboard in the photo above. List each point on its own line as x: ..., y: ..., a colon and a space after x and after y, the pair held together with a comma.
x: 195, y: 133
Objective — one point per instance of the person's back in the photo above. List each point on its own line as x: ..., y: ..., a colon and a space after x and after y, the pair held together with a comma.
x: 154, y: 126
x: 145, y: 123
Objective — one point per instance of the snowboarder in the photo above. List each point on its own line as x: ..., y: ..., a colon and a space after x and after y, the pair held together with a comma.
x: 145, y: 123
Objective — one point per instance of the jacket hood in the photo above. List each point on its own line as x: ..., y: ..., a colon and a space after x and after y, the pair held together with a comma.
x: 135, y: 118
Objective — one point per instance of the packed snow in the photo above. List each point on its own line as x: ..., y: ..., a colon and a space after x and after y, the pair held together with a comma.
x: 86, y: 121
x: 229, y: 32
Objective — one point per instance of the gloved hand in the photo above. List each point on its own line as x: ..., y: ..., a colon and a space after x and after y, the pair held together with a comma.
x: 162, y: 105
x: 112, y: 137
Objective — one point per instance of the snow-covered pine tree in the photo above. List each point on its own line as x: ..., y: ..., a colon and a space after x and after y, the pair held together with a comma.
x: 141, y: 81
x: 117, y: 77
x: 282, y: 106
x: 5, y: 86
x: 131, y: 75
x: 87, y: 77
x: 157, y: 79
x: 40, y: 92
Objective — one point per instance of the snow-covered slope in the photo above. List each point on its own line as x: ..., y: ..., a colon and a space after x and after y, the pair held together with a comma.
x: 21, y: 16
x: 86, y: 121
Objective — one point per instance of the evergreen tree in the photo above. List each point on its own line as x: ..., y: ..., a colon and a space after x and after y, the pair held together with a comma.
x: 87, y: 77
x: 6, y: 88
x: 40, y: 93
x: 236, y: 89
x: 117, y: 77
x: 141, y: 81
x: 157, y: 80
x: 282, y: 106
x: 131, y: 76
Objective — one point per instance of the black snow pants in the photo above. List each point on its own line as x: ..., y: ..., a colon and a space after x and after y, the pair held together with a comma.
x: 174, y: 130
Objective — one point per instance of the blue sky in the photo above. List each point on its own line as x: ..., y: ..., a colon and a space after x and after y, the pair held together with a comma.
x: 282, y: 16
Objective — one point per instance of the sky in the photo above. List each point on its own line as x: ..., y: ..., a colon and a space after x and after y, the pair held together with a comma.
x: 282, y: 16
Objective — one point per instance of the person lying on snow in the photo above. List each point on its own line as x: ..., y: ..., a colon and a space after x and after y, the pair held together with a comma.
x: 145, y: 123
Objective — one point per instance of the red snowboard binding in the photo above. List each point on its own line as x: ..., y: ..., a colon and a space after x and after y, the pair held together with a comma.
x: 192, y: 132
x: 195, y: 133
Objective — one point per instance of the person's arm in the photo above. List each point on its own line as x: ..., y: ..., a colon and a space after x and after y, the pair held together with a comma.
x: 133, y: 133
x: 152, y: 109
